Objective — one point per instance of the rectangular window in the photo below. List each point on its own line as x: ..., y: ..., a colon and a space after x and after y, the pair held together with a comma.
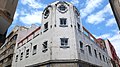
x: 81, y: 47
x: 100, y: 56
x: 34, y: 49
x: 63, y: 22
x: 103, y: 57
x: 89, y: 49
x: 64, y: 42
x: 21, y: 57
x: 81, y: 44
x: 45, y: 47
x: 45, y: 27
x: 78, y: 26
x: 27, y: 53
x: 95, y: 53
x: 16, y: 58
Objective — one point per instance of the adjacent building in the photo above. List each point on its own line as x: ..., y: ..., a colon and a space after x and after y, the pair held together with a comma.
x: 61, y: 41
x: 7, y: 49
x: 112, y: 53
x: 115, y: 4
x: 7, y: 10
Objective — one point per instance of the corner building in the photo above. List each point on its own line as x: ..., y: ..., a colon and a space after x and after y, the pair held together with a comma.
x: 59, y: 42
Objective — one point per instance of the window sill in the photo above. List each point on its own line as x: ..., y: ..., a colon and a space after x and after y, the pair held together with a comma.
x: 33, y: 53
x: 44, y: 50
x: 63, y: 25
x: 27, y: 56
x: 45, y: 30
x: 64, y: 46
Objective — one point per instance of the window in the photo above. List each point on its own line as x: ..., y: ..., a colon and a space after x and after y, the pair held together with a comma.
x: 62, y: 8
x: 16, y: 58
x: 15, y: 37
x: 81, y: 47
x: 78, y: 26
x: 27, y: 53
x: 89, y: 49
x: 46, y: 13
x: 45, y: 27
x: 21, y: 57
x: 45, y: 48
x: 81, y: 44
x: 103, y: 57
x: 95, y: 53
x: 63, y: 22
x: 34, y: 49
x: 100, y: 56
x: 64, y: 42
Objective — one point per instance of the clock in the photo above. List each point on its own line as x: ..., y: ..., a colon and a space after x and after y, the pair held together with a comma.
x: 62, y: 8
x: 46, y: 13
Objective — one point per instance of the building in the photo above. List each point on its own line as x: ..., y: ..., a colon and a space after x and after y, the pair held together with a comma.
x: 112, y: 53
x: 61, y: 41
x: 7, y: 10
x: 7, y: 50
x: 115, y: 4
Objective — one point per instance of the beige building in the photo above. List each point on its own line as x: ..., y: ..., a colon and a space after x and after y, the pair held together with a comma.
x: 7, y: 10
x: 7, y: 49
x: 61, y: 41
x: 115, y: 4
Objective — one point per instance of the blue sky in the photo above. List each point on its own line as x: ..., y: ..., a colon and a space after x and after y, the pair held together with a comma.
x: 96, y: 16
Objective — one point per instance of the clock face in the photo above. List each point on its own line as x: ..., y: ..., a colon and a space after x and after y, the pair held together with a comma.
x: 62, y: 8
x: 46, y: 13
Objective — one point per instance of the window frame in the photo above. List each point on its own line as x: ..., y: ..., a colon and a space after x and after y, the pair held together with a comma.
x: 63, y: 22
x: 45, y: 46
x: 63, y: 10
x: 27, y: 53
x: 45, y: 26
x: 90, y: 50
x: 64, y: 41
x: 81, y: 46
x: 95, y: 52
x: 16, y: 58
x: 100, y: 56
x: 21, y: 56
x: 34, y: 49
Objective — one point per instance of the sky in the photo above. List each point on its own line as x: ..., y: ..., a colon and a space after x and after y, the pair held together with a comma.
x: 96, y: 16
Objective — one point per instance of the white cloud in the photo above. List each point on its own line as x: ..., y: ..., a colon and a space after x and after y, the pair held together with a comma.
x: 33, y: 3
x: 75, y: 2
x: 100, y: 16
x: 91, y: 5
x: 32, y: 18
x: 110, y: 22
x: 104, y: 36
x: 95, y: 18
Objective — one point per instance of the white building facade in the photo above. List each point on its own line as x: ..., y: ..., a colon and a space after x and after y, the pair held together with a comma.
x: 59, y: 42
